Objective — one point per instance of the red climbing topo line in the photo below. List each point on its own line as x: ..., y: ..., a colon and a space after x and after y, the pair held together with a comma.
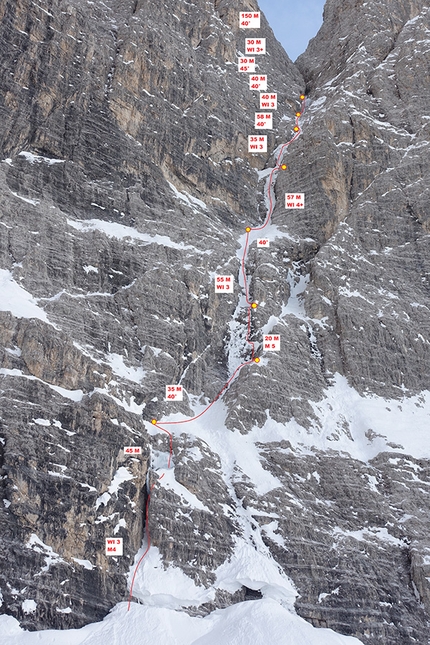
x: 249, y: 230
x: 269, y: 214
x: 147, y: 547
x: 173, y: 423
x: 170, y: 443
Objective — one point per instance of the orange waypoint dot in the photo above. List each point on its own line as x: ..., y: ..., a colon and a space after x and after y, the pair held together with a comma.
x: 154, y: 422
x: 248, y: 229
x: 254, y: 305
x: 302, y: 97
x: 298, y: 114
x: 296, y: 128
x: 256, y: 360
x: 284, y: 166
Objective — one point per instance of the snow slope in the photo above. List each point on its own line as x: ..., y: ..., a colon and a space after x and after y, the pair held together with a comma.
x: 257, y: 622
x: 17, y: 300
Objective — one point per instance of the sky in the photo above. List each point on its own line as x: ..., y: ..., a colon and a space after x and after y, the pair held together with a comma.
x: 294, y: 22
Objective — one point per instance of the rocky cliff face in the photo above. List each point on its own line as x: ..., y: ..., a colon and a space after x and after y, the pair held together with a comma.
x: 126, y: 185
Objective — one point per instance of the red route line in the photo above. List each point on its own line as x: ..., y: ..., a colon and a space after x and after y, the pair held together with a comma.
x: 148, y: 545
x: 250, y: 342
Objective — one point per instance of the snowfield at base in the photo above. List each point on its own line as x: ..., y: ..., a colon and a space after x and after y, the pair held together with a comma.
x: 397, y: 426
x: 169, y: 588
x: 257, y: 622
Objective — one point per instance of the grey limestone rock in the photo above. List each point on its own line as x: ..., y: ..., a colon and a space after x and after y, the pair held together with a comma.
x: 125, y: 186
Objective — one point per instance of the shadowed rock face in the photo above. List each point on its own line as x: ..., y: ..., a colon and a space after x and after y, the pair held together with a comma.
x: 373, y: 123
x: 130, y: 114
x: 125, y: 186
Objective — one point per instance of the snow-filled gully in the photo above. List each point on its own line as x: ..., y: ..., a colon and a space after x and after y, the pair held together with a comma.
x: 250, y: 235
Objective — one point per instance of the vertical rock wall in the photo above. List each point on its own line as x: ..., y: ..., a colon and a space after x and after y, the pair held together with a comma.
x: 125, y: 186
